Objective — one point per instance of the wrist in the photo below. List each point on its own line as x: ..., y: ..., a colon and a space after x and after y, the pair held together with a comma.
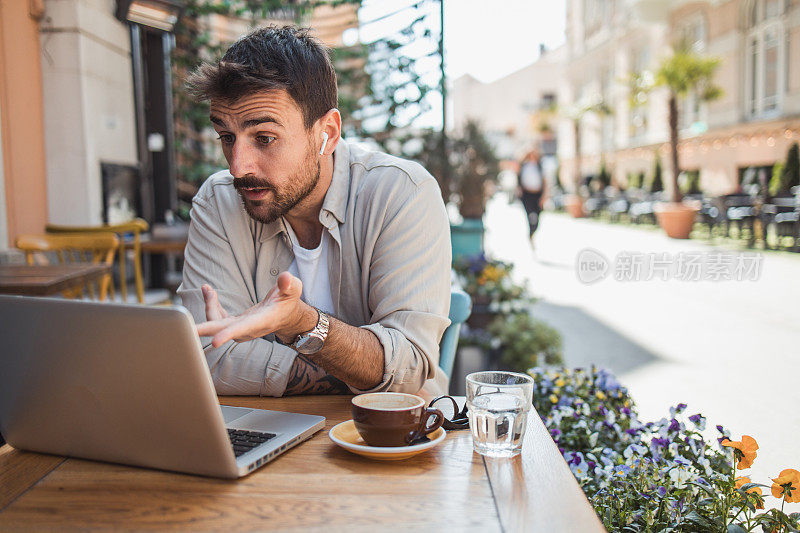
x: 304, y: 319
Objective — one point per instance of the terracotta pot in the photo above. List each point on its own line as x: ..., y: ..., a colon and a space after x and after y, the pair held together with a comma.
x: 574, y: 205
x: 677, y: 219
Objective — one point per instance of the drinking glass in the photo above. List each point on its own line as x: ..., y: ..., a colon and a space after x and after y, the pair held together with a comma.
x: 498, y: 405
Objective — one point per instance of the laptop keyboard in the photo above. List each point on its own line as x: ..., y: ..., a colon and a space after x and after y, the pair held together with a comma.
x: 243, y: 441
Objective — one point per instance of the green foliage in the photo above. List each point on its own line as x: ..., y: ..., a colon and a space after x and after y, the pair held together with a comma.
x: 786, y: 175
x: 471, y: 164
x: 475, y: 165
x: 634, y: 180
x: 603, y: 177
x: 686, y: 71
x: 690, y: 182
x: 656, y: 183
x: 669, y: 475
x: 525, y: 342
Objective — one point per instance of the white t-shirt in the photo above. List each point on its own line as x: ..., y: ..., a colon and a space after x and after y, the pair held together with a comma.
x: 531, y: 177
x: 311, y: 266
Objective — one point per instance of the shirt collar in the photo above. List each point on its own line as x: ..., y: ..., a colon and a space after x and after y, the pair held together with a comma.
x: 338, y: 191
x: 335, y: 201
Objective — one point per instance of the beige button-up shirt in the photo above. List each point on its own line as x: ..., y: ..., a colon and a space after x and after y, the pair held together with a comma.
x: 389, y: 267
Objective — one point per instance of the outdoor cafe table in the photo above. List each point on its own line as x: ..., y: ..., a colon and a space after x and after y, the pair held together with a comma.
x: 45, y: 280
x: 315, y: 485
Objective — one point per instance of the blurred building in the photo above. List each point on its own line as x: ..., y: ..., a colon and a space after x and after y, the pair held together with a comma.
x: 751, y: 126
x: 85, y: 108
x: 518, y: 111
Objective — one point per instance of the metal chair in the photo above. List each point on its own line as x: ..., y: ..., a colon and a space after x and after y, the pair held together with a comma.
x: 97, y: 248
x: 135, y: 227
x: 460, y: 309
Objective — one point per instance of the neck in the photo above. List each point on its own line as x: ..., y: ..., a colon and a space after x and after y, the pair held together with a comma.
x: 304, y: 217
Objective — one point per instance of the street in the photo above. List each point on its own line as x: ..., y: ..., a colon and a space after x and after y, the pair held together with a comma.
x: 729, y: 349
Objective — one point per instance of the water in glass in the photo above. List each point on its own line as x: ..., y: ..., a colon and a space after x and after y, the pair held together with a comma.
x: 498, y: 404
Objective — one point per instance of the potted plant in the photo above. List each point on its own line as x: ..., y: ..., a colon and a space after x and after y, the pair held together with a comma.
x: 786, y: 175
x: 488, y: 283
x: 523, y: 342
x: 683, y: 73
x: 474, y: 167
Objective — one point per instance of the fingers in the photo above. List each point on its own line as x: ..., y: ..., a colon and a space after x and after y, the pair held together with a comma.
x: 243, y: 328
x: 212, y: 327
x: 214, y: 310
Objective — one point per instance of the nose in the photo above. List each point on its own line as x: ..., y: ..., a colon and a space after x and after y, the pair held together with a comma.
x: 243, y: 160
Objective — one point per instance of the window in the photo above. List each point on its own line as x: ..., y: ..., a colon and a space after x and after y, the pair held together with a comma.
x: 607, y: 88
x: 639, y: 116
x: 766, y: 52
x: 691, y: 112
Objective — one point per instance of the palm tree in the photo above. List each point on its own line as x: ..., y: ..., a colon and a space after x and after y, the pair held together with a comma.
x: 685, y: 72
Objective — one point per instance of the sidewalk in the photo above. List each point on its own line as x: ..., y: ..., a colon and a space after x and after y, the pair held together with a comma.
x: 729, y: 349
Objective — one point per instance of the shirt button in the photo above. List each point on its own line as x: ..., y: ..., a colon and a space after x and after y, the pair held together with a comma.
x: 274, y: 271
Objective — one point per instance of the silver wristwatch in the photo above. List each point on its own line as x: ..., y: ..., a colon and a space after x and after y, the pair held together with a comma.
x: 313, y: 341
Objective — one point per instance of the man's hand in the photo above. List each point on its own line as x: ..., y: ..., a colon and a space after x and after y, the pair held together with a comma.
x: 281, y: 312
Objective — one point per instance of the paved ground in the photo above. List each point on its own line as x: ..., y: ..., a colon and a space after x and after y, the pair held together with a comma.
x: 729, y: 349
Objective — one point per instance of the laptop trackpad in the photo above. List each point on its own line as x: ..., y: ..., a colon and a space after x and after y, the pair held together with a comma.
x: 233, y: 413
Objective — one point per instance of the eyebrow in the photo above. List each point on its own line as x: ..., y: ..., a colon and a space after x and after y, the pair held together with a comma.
x: 247, y: 123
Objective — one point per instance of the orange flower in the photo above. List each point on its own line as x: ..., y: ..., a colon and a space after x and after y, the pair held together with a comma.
x: 744, y: 450
x: 744, y: 480
x: 787, y: 485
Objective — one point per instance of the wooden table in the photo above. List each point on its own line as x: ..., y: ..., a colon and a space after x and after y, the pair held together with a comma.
x: 315, y: 486
x: 43, y: 280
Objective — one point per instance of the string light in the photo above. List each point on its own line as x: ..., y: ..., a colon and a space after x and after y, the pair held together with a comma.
x: 732, y: 142
x: 788, y: 134
x: 717, y: 144
x: 771, y: 141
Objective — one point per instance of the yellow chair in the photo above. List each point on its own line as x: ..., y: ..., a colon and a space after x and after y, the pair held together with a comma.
x: 96, y: 248
x: 136, y: 227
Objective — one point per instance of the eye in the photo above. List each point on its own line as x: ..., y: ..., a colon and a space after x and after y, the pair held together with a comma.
x: 265, y: 139
x: 226, y: 138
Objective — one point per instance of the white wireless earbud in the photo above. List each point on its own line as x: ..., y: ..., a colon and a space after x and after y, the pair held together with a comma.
x: 324, y: 143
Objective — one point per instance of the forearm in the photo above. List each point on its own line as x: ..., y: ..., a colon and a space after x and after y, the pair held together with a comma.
x: 351, y: 354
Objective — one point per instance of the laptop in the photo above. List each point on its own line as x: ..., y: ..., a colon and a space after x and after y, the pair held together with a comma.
x: 127, y: 384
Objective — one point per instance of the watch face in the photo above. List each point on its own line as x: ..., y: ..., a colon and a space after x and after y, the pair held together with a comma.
x: 308, y: 344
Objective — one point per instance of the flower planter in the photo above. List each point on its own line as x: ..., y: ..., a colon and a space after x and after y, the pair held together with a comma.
x: 574, y: 205
x: 676, y: 219
x: 467, y: 238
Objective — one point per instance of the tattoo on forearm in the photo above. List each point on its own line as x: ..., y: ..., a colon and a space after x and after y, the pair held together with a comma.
x: 307, y: 378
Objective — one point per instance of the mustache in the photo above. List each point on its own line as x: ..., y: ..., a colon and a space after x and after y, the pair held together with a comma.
x: 251, y: 182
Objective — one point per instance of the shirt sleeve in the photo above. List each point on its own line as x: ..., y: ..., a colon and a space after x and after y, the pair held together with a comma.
x: 260, y: 366
x: 409, y: 286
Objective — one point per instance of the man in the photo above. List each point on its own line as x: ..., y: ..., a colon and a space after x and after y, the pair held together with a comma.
x: 318, y: 267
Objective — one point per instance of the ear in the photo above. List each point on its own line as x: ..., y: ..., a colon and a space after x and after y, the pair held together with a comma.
x: 330, y: 126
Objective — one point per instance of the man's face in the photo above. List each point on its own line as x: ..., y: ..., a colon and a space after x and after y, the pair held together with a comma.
x: 271, y: 155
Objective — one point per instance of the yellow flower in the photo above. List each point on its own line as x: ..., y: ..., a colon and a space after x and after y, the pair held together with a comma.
x: 600, y: 395
x: 787, y: 485
x: 560, y: 382
x: 741, y: 481
x: 556, y: 390
x: 627, y: 403
x: 744, y: 450
x: 554, y: 398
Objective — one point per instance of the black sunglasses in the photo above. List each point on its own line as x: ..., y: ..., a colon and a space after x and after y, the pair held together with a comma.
x: 460, y: 419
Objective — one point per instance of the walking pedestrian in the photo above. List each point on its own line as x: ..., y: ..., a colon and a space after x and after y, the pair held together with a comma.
x: 531, y: 187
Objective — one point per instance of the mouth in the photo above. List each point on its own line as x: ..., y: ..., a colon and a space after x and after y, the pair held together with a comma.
x: 254, y: 193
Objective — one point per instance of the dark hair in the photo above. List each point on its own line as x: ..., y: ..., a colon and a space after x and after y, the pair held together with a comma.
x: 267, y: 59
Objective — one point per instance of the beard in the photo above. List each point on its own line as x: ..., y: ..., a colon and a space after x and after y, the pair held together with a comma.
x: 299, y: 187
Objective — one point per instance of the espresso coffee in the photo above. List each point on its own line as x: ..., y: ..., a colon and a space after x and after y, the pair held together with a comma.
x: 393, y: 418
